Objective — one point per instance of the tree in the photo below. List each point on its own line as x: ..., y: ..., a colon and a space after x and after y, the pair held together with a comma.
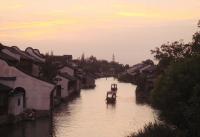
x: 177, y: 95
x: 171, y: 52
x: 49, y: 70
x: 92, y: 59
x: 148, y: 62
x: 155, y: 130
x: 177, y: 51
x: 83, y: 57
x: 196, y: 42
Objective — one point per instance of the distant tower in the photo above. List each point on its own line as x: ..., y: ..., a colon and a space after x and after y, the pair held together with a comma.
x: 113, y: 58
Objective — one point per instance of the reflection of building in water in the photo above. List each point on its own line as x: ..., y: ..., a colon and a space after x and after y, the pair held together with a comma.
x: 111, y: 106
x: 39, y: 128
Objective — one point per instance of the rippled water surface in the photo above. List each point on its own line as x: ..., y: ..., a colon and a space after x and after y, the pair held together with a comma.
x: 88, y: 115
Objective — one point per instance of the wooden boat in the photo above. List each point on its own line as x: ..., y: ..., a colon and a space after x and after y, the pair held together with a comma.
x: 112, y: 95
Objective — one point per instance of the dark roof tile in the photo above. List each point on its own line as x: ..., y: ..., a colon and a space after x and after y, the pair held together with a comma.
x: 8, y: 78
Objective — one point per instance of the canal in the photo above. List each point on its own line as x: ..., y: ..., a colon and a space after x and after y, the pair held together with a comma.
x: 88, y: 115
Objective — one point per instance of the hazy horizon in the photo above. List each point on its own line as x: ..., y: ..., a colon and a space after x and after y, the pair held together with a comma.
x: 127, y: 28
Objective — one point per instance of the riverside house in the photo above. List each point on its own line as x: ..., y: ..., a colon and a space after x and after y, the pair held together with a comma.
x: 68, y: 85
x: 87, y: 79
x: 23, y: 86
x: 27, y: 62
x: 66, y: 80
x: 68, y: 72
x: 12, y: 100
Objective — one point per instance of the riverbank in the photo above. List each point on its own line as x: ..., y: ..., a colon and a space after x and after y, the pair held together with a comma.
x: 34, y: 115
x: 176, y: 90
x: 88, y: 115
x: 143, y: 75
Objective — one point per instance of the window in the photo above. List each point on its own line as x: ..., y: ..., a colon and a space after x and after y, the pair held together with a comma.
x: 19, y: 101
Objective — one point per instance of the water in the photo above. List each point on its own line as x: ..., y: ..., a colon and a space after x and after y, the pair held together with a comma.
x: 89, y: 116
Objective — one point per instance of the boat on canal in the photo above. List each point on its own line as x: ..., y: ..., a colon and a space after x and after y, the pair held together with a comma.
x: 112, y: 94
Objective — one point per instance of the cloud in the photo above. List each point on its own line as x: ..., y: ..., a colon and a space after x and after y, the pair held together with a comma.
x: 34, y: 19
x: 8, y: 6
x: 37, y: 24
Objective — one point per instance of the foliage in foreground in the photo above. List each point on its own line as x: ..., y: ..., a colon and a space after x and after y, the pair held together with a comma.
x: 177, y: 95
x: 177, y: 91
x: 155, y: 130
x: 177, y: 51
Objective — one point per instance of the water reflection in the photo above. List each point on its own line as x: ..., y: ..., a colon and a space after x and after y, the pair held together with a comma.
x: 88, y: 115
x: 111, y: 105
x: 91, y: 116
x: 39, y: 128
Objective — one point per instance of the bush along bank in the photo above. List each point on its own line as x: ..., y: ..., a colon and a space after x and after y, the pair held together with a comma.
x: 176, y: 91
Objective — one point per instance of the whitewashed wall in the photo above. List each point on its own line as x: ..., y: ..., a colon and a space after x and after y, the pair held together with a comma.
x: 64, y: 86
x: 37, y: 91
x: 13, y: 107
x: 8, y: 83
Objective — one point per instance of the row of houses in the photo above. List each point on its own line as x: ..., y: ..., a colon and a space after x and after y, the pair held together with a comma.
x: 142, y: 74
x: 145, y: 67
x: 25, y: 92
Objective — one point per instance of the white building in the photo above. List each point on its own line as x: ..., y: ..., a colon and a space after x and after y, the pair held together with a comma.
x: 67, y: 69
x: 16, y: 102
x: 63, y: 83
x: 28, y: 62
x: 67, y: 81
x: 11, y: 101
x: 38, y: 93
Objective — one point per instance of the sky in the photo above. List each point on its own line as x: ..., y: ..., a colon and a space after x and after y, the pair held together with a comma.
x: 129, y: 29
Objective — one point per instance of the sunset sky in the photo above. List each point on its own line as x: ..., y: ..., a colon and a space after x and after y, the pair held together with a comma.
x: 127, y: 28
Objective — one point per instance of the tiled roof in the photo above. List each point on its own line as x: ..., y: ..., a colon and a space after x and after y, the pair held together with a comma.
x: 29, y: 74
x: 8, y: 78
x: 35, y: 53
x: 7, y: 57
x: 21, y: 53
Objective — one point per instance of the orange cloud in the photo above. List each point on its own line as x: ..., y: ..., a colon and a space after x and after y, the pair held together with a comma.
x: 37, y: 24
x: 33, y: 20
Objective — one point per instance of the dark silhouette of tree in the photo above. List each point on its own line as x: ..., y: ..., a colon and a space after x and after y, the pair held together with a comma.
x: 171, y: 52
x: 177, y: 95
x: 49, y: 70
x: 148, y: 62
x: 83, y: 57
x: 177, y: 90
x: 155, y: 130
x: 93, y: 65
x: 196, y: 42
x: 177, y: 51
x: 92, y: 59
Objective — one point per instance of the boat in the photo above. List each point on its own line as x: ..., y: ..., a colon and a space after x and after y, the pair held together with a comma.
x: 112, y: 94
